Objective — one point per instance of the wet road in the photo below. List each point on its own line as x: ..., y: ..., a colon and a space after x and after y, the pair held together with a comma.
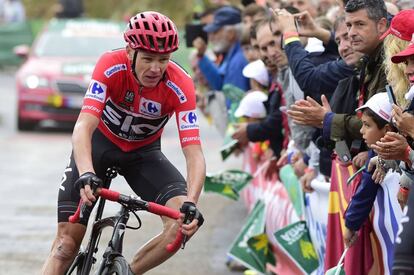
x: 31, y: 168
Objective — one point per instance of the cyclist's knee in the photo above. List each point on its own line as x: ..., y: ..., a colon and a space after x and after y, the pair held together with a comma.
x: 65, y: 248
x: 170, y: 229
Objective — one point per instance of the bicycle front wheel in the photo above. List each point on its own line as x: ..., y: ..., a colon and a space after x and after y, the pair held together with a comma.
x: 119, y: 266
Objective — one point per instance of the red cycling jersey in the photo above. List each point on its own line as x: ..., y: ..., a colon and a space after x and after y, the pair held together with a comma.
x: 132, y: 116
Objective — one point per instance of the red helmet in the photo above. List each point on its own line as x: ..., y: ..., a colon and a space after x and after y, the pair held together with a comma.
x: 152, y: 31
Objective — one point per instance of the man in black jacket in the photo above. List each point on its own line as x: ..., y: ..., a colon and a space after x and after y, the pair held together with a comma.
x: 271, y: 128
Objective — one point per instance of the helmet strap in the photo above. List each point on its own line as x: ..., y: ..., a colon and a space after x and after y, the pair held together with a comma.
x: 134, y: 61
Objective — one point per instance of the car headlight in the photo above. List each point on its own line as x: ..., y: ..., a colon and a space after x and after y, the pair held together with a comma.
x: 34, y: 82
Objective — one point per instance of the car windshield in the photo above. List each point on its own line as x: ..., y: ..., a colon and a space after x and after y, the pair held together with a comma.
x: 65, y: 43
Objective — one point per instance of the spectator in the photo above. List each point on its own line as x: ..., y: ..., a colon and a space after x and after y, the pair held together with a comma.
x: 14, y: 11
x: 253, y: 13
x: 376, y: 118
x: 271, y: 127
x: 224, y: 36
x: 316, y: 79
x: 304, y: 5
x: 275, y: 4
x: 405, y: 4
x: 258, y: 75
x: 395, y: 40
x: 70, y: 9
x: 392, y: 8
x: 365, y: 38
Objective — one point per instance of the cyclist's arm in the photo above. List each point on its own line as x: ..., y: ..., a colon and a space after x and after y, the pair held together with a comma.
x: 196, y: 171
x: 81, y: 140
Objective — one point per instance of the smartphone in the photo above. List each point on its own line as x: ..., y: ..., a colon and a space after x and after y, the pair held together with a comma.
x: 391, y: 96
x: 342, y: 151
x: 192, y: 31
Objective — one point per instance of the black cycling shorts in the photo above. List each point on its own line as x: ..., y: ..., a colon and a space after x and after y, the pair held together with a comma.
x: 148, y: 172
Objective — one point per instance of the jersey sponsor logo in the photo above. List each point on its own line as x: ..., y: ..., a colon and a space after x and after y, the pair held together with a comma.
x: 149, y: 107
x: 114, y: 69
x: 96, y: 91
x: 180, y: 94
x: 129, y: 96
x: 130, y: 126
x: 91, y: 108
x: 189, y: 139
x: 188, y: 120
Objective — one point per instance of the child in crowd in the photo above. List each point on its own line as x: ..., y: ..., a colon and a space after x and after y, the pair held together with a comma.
x: 252, y: 109
x: 376, y: 118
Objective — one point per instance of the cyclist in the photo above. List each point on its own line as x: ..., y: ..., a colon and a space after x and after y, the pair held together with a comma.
x: 132, y: 94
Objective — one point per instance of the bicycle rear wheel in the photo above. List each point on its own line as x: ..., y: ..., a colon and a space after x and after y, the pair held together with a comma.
x: 119, y: 266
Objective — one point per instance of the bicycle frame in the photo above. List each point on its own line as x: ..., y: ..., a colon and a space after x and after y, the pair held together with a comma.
x: 85, y: 259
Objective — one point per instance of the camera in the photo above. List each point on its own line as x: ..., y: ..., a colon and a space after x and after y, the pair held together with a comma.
x: 192, y: 31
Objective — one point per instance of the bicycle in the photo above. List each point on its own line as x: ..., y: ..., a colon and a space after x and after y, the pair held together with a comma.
x: 112, y: 260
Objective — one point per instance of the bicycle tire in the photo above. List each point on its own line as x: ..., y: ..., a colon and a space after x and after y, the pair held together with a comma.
x: 119, y: 266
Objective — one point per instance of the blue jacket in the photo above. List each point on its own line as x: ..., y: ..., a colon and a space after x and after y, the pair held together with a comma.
x: 316, y: 79
x: 228, y: 72
x: 362, y: 201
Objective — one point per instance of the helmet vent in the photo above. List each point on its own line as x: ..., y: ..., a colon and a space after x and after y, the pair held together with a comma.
x: 146, y: 26
x: 154, y: 27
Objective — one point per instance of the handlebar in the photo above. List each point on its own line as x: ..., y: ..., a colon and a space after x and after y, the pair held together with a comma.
x: 138, y: 204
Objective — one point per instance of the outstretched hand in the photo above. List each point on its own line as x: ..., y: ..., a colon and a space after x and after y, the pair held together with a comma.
x: 309, y: 112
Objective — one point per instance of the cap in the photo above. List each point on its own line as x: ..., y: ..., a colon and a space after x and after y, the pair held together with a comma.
x: 257, y: 70
x: 379, y: 104
x: 252, y: 105
x: 222, y: 17
x: 402, y: 25
x: 404, y: 54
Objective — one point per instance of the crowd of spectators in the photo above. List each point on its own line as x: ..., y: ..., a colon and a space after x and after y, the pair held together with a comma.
x: 316, y: 75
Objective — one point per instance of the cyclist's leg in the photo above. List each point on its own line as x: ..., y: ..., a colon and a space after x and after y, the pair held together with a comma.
x: 155, y: 179
x: 69, y: 236
x: 64, y: 248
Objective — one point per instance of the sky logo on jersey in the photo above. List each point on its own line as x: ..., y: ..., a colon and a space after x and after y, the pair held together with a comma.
x: 149, y: 107
x: 188, y: 120
x: 114, y: 69
x: 96, y: 91
x: 177, y: 91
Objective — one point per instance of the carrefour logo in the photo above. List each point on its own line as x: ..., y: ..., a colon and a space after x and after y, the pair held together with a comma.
x: 96, y: 91
x: 149, y: 107
x: 188, y: 120
x: 114, y: 69
x: 177, y: 91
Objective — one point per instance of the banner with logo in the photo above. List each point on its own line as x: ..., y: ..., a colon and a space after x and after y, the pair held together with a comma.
x: 294, y: 239
x: 227, y: 183
x: 316, y: 213
x: 254, y: 227
x: 293, y: 187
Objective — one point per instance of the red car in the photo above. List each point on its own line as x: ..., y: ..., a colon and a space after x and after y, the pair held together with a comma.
x: 53, y: 80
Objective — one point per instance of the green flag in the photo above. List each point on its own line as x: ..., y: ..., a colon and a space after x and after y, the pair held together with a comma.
x: 227, y: 183
x: 254, y: 226
x: 261, y: 250
x: 229, y: 144
x: 294, y: 239
x: 293, y: 187
x: 233, y: 93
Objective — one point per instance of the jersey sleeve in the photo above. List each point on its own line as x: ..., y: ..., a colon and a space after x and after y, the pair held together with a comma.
x: 185, y: 113
x: 98, y: 89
